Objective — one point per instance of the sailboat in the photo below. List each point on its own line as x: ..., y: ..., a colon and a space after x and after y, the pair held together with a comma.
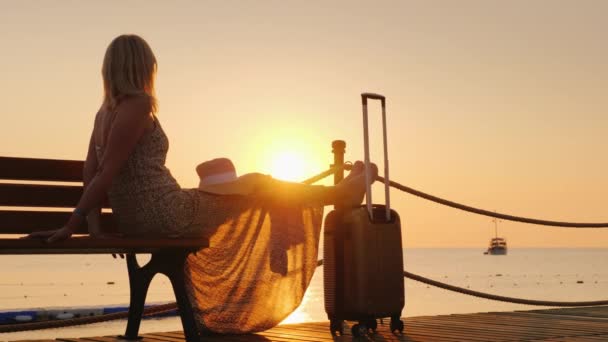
x: 498, y: 245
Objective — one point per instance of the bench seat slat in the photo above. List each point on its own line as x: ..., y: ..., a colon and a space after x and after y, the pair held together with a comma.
x: 25, y: 222
x: 33, y: 169
x: 89, y: 245
x: 75, y: 251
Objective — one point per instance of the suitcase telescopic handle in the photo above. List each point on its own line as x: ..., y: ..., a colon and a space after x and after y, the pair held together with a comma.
x: 368, y: 180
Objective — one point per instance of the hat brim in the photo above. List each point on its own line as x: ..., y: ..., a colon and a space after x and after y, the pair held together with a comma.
x: 243, y: 185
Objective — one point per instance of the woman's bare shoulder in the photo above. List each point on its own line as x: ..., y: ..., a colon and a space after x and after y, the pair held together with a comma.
x: 135, y: 105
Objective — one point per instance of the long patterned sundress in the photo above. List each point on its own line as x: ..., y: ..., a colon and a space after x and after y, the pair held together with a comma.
x: 263, y: 248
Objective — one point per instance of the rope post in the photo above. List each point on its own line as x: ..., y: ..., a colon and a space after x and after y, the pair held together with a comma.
x: 338, y: 149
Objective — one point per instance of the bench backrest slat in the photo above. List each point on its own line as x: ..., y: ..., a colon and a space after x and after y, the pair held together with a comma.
x: 41, y: 169
x: 38, y: 195
x: 32, y: 200
x: 86, y: 245
x: 26, y: 207
x: 24, y: 222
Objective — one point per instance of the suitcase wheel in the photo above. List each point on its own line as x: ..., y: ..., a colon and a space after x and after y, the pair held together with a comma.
x: 336, y: 326
x: 358, y: 329
x: 372, y: 324
x: 396, y: 324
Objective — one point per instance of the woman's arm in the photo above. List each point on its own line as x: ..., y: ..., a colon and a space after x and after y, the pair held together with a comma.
x: 133, y: 117
x: 88, y: 173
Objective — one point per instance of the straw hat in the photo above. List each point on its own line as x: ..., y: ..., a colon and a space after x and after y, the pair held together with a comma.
x: 218, y: 176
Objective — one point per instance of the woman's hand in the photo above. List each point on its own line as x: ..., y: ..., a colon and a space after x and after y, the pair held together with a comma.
x: 51, y: 236
x: 94, y: 224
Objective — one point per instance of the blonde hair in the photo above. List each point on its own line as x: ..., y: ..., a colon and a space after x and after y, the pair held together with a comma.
x: 129, y: 68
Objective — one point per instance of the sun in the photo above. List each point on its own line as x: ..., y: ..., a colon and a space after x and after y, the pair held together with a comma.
x: 293, y: 162
x: 288, y: 153
x: 288, y: 166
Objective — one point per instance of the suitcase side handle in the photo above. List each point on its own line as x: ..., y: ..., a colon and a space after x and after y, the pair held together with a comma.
x: 368, y: 180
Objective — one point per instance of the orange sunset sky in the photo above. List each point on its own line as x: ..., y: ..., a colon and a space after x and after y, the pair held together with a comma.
x: 501, y: 105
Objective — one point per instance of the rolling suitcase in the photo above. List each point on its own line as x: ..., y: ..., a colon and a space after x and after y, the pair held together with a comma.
x: 363, y: 267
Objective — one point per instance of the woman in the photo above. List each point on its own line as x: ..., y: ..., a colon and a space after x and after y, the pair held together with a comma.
x: 273, y: 229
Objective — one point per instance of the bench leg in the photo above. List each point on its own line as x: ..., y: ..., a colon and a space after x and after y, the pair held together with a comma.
x: 189, y: 325
x: 139, y: 282
x: 172, y: 265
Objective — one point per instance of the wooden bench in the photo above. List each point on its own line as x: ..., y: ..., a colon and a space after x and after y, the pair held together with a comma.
x: 39, y: 194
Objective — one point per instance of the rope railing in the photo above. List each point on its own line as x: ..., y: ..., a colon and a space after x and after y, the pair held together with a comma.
x: 497, y: 297
x: 463, y: 207
x: 489, y: 296
x: 490, y: 213
x: 461, y: 290
x: 322, y: 175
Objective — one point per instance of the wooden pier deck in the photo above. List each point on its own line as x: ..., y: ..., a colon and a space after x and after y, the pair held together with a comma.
x: 580, y: 324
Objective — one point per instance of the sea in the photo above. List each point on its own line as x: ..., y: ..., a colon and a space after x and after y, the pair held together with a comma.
x: 556, y: 274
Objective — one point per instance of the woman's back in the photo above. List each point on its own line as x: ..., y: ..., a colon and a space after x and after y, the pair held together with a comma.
x: 144, y: 196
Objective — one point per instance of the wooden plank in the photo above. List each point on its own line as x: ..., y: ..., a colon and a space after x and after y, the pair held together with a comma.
x: 533, y: 326
x: 446, y: 331
x: 529, y: 331
x: 145, y: 338
x: 308, y: 330
x: 408, y: 334
x: 234, y: 338
x: 543, y: 315
x: 41, y: 195
x: 523, y: 322
x: 598, y: 312
x: 175, y: 334
x: 485, y: 330
x: 89, y: 245
x: 116, y: 339
x: 38, y: 195
x: 539, y: 317
x: 499, y: 320
x: 316, y: 332
x: 586, y: 322
x: 25, y: 222
x: 304, y: 332
x: 458, y: 333
x: 528, y: 318
x: 100, y: 339
x: 266, y: 337
x: 294, y: 335
x: 33, y: 169
x: 576, y: 339
x: 164, y: 337
x: 505, y: 322
x: 491, y: 331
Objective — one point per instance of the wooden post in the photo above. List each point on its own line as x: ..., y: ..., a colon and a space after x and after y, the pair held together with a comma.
x: 338, y: 149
